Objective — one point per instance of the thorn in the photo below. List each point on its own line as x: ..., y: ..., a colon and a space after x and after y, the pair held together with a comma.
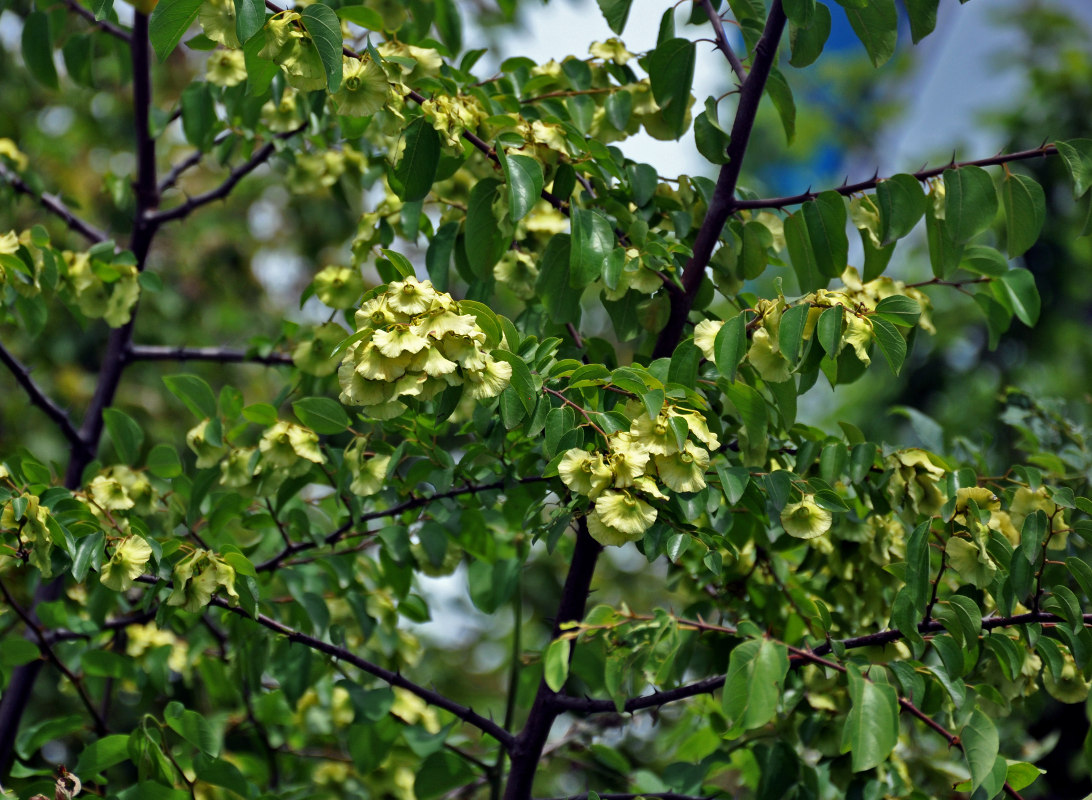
x: 952, y: 162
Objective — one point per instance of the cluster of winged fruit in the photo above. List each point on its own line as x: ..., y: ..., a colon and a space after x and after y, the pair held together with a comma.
x: 414, y: 342
x: 653, y: 453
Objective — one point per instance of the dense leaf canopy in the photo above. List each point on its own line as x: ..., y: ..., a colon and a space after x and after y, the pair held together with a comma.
x: 374, y: 427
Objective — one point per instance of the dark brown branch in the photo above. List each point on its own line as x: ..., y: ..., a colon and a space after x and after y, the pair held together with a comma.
x: 407, y: 505
x: 223, y: 355
x: 40, y: 399
x: 722, y: 40
x: 53, y: 204
x: 723, y: 203
x: 33, y: 628
x: 104, y: 25
x: 467, y: 715
x: 190, y: 161
x: 224, y: 189
x: 848, y: 189
x: 617, y: 796
x: 586, y: 705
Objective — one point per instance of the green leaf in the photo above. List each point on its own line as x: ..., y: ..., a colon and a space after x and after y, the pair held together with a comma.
x: 799, y: 12
x: 890, y: 342
x: 790, y: 333
x: 104, y: 753
x: 710, y: 139
x: 325, y: 29
x: 125, y: 433
x: 1077, y: 154
x: 802, y: 255
x: 523, y: 175
x: 365, y: 17
x: 899, y: 309
x: 249, y: 18
x: 671, y: 73
x: 730, y: 345
x: 807, y: 42
x: 449, y: 24
x: 192, y: 727
x: 923, y: 17
x: 733, y: 481
x: 901, y: 203
x: 970, y: 202
x: 826, y: 220
x: 781, y: 96
x: 522, y: 381
x: 829, y: 329
x: 615, y: 12
x: 18, y: 651
x: 260, y: 414
x: 37, y: 45
x: 944, y: 251
x: 198, y: 115
x: 753, y: 685
x: 169, y: 21
x: 554, y: 289
x: 416, y: 170
x: 321, y: 414
x: 1025, y: 212
x: 872, y: 725
x: 483, y: 242
x: 1021, y: 774
x: 1019, y: 287
x: 194, y: 393
x: 441, y: 772
x: 592, y: 242
x: 876, y: 24
x: 981, y: 744
x: 917, y: 566
x: 555, y: 664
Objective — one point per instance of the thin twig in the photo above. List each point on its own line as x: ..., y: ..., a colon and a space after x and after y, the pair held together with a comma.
x: 39, y: 398
x: 190, y: 161
x: 224, y: 189
x: 105, y: 25
x: 223, y: 355
x: 848, y: 189
x: 53, y: 204
x: 722, y: 40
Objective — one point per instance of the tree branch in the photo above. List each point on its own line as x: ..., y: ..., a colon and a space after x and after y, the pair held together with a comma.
x: 467, y: 715
x: 723, y: 203
x: 104, y: 25
x: 224, y: 189
x: 223, y: 355
x: 40, y: 399
x: 848, y: 189
x: 414, y: 502
x: 722, y: 40
x: 53, y: 204
x: 192, y: 160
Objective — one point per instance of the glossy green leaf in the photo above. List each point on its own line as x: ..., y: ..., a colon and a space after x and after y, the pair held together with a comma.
x: 416, y: 169
x: 876, y: 24
x: 556, y: 663
x: 901, y: 203
x: 730, y: 346
x: 981, y: 744
x: 801, y: 254
x: 321, y: 414
x: 828, y: 329
x: 523, y: 175
x: 923, y: 17
x: 615, y: 12
x: 325, y: 29
x: 890, y: 342
x: 671, y: 73
x: 522, y: 381
x: 592, y: 242
x: 826, y: 221
x: 125, y: 433
x: 1021, y: 774
x: 441, y: 772
x: 1077, y: 154
x: 249, y: 18
x: 169, y: 21
x: 37, y: 48
x: 1019, y: 288
x: 449, y: 24
x: 807, y: 42
x: 899, y: 310
x: 483, y: 242
x: 194, y: 393
x: 800, y: 12
x: 790, y: 332
x: 970, y: 202
x: 198, y: 115
x: 192, y: 727
x: 753, y: 685
x: 559, y: 298
x: 872, y: 726
x: 1025, y: 212
x: 367, y: 18
x: 944, y: 251
x: 781, y: 96
x: 102, y: 754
